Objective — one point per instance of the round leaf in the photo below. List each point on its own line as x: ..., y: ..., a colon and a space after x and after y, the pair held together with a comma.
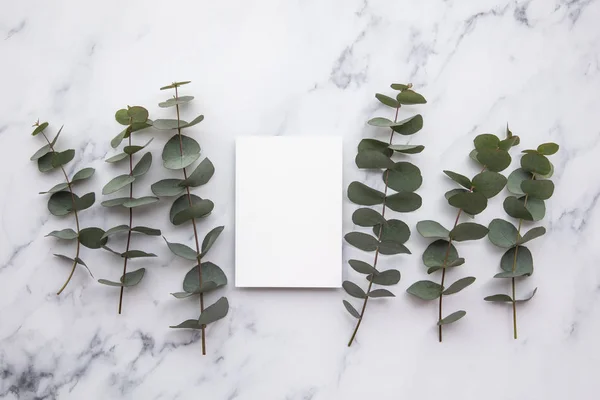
x: 535, y: 163
x: 210, y: 239
x: 115, y: 230
x: 432, y: 229
x: 367, y: 217
x: 179, y: 152
x: 46, y: 149
x: 486, y: 141
x: 92, y: 238
x: 403, y: 177
x: 61, y: 158
x: 201, y: 175
x: 536, y: 208
x: 495, y: 160
x: 373, y: 159
x: 489, y: 183
x: 176, y: 101
x: 214, y: 312
x: 372, y: 144
x: 388, y: 248
x: 409, y: 97
x: 118, y: 157
x: 471, y: 203
x: 181, y: 203
x: 386, y: 278
x: 143, y: 165
x: 521, y: 265
x: 539, y: 189
x: 460, y: 179
x: 459, y: 285
x: 174, y: 85
x: 468, y: 231
x: 135, y: 148
x: 353, y: 290
x: 142, y: 201
x: 39, y: 128
x: 425, y: 290
x: 60, y: 203
x: 388, y: 101
x: 122, y: 116
x: 198, y: 210
x: 213, y: 277
x: 361, y: 241
x: 532, y: 234
x: 119, y: 201
x: 85, y: 201
x: 129, y: 279
x: 515, y: 179
x: 168, y: 187
x: 502, y: 233
x: 168, y: 124
x: 439, y: 253
x: 363, y: 195
x: 45, y: 162
x: 403, y: 202
x: 547, y: 149
x: 409, y: 126
x: 137, y: 114
x: 393, y: 231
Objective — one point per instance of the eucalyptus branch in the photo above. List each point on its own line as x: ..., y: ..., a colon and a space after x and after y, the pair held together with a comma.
x: 180, y: 152
x: 63, y: 202
x: 492, y: 154
x: 135, y: 119
x: 532, y: 185
x: 403, y: 177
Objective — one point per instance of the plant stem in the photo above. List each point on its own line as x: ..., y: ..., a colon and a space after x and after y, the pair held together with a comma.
x: 514, y: 267
x: 130, y: 226
x: 195, y: 228
x: 76, y: 219
x: 364, y: 306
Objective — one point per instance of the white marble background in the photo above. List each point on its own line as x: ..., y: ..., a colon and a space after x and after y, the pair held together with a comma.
x: 297, y: 68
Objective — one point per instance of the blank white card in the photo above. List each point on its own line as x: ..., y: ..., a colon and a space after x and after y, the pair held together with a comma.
x: 288, y: 212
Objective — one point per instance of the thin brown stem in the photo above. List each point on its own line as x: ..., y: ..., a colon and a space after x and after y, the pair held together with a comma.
x: 189, y: 196
x: 364, y: 306
x: 130, y: 226
x: 76, y: 219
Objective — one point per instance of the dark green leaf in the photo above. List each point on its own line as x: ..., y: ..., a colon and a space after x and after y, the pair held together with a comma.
x: 486, y: 141
x: 381, y: 293
x: 471, y: 203
x: 45, y: 162
x: 122, y: 116
x: 39, y: 128
x: 425, y: 290
x: 460, y: 179
x: 46, y: 149
x: 437, y: 254
x: 201, y: 175
x: 489, y: 183
x: 452, y: 192
x: 399, y: 86
x: 137, y: 114
x: 182, y: 250
x: 367, y: 217
x: 85, y: 201
x: 547, y: 149
x: 92, y: 238
x: 137, y: 254
x: 508, y: 143
x: 459, y: 285
x: 499, y: 298
x: 116, y: 158
x: 532, y: 234
x: 388, y: 101
x: 62, y: 158
x: 536, y: 208
x: 521, y: 264
x: 180, y: 151
x: 403, y: 202
x: 468, y: 231
x: 535, y: 163
x: 455, y: 316
x: 129, y: 279
x: 117, y: 183
x: 65, y: 234
x: 168, y: 187
x: 362, y: 267
x: 134, y: 149
x: 495, y: 160
x: 385, y: 278
x: 210, y: 239
x: 539, y: 189
x: 394, y: 231
x: 409, y: 126
x: 373, y: 159
x: 60, y: 203
x: 409, y: 97
x: 83, y: 174
x: 527, y: 298
x: 372, y: 144
x: 175, y: 101
x: 432, y: 229
x: 455, y: 263
x: 363, y: 195
x: 353, y: 290
x: 502, y: 233
x: 114, y: 230
x: 214, y: 312
x: 181, y: 203
x: 361, y: 241
x: 387, y: 248
x: 351, y: 309
x: 403, y: 177
x: 213, y: 277
x: 143, y: 165
x: 407, y: 148
x: 198, y: 210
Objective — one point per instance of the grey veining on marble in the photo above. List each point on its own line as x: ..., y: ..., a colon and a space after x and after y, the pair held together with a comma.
x: 291, y: 68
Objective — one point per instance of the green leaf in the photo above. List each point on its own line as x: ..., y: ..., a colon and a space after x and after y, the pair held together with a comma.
x: 536, y: 208
x: 409, y: 126
x: 46, y: 149
x: 455, y: 263
x: 182, y: 250
x: 193, y: 122
x: 400, y: 86
x: 143, y: 165
x: 547, y: 149
x: 388, y: 101
x: 116, y: 141
x: 452, y: 192
x: 136, y: 254
x: 409, y: 97
x: 388, y: 248
x: 460, y: 179
x: 455, y: 316
x: 76, y: 259
x: 142, y: 201
x: 373, y: 159
x: 178, y: 155
x: 381, y: 122
x: 45, y: 162
x: 393, y: 231
x: 119, y: 201
x: 486, y: 141
x: 137, y: 114
x: 523, y: 263
x: 471, y: 203
x: 168, y: 187
x: 403, y: 202
x: 516, y: 208
x: 459, y: 285
x: 198, y: 210
x: 353, y: 290
x: 403, y: 177
x: 435, y: 254
x: 495, y: 160
x: 539, y: 189
x: 117, y: 183
x: 473, y: 155
x: 367, y: 217
x: 60, y: 203
x: 134, y: 149
x: 502, y: 233
x: 515, y: 179
x: 116, y: 158
x: 363, y: 195
x: 65, y: 234
x: 83, y: 174
x: 175, y: 101
x: 362, y: 241
x: 351, y: 309
x: 527, y: 298
x: 381, y: 293
x: 468, y: 231
x: 362, y: 267
x: 210, y: 239
x: 499, y: 298
x: 385, y: 278
x: 372, y: 144
x: 129, y: 279
x: 214, y: 312
x: 489, y: 183
x: 61, y: 158
x: 425, y: 290
x: 122, y: 116
x: 39, y: 128
x: 56, y: 188
x: 174, y: 85
x: 432, y: 229
x: 407, y: 148
x: 188, y: 324
x: 115, y: 230
x: 535, y: 163
x: 508, y: 143
x: 213, y: 277
x: 168, y: 124
x: 181, y: 203
x: 201, y: 175
x: 92, y: 238
x: 85, y: 201
x: 532, y: 234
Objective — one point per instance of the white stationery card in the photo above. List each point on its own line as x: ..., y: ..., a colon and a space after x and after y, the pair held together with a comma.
x: 288, y: 212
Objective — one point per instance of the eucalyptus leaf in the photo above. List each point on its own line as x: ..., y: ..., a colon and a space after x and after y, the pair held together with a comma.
x: 378, y: 145
x: 182, y: 250
x: 470, y: 202
x: 499, y: 298
x: 425, y: 290
x: 141, y: 201
x: 532, y: 234
x: 214, y: 312
x: 388, y: 248
x: 116, y: 158
x: 363, y: 195
x: 351, y: 309
x: 39, y: 128
x: 381, y: 293
x: 486, y: 141
x: 60, y: 203
x: 468, y: 231
x: 460, y: 179
x: 535, y: 163
x: 168, y: 124
x: 92, y: 238
x: 381, y: 122
x: 198, y: 210
x: 362, y: 241
x: 174, y: 85
x: 502, y: 233
x: 129, y: 150
x: 61, y: 158
x: 136, y: 254
x: 76, y: 260
x: 393, y: 231
x: 455, y: 316
x: 536, y: 208
x: 180, y: 151
x: 45, y: 150
x: 388, y: 101
x: 115, y: 230
x: 181, y: 203
x: 400, y: 86
x: 406, y: 148
x: 523, y: 262
x: 65, y: 234
x: 403, y: 177
x: 83, y: 174
x: 176, y: 101
x: 439, y: 253
x: 409, y: 97
x: 137, y: 114
x: 210, y: 239
x: 45, y: 162
x: 373, y: 159
x: 213, y: 277
x: 122, y: 116
x: 386, y: 278
x: 403, y: 202
x: 362, y: 267
x: 495, y: 160
x: 452, y: 192
x: 143, y: 165
x: 527, y: 298
x: 193, y: 122
x: 201, y: 175
x: 516, y: 208
x: 409, y: 126
x: 547, y: 149
x: 432, y: 229
x: 129, y: 279
x: 459, y: 285
x: 367, y: 217
x: 353, y: 290
x: 119, y: 201
x: 117, y: 183
x: 489, y: 183
x: 188, y: 324
x: 168, y: 187
x: 538, y: 189
x: 85, y: 201
x: 116, y: 141
x: 57, y: 188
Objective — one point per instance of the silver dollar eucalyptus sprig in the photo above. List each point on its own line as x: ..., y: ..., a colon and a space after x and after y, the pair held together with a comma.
x: 134, y: 118
x: 389, y: 235
x: 180, y: 152
x: 64, y: 201
x: 531, y: 186
x: 441, y: 255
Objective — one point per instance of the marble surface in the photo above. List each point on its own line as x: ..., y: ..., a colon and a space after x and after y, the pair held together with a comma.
x: 297, y: 68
